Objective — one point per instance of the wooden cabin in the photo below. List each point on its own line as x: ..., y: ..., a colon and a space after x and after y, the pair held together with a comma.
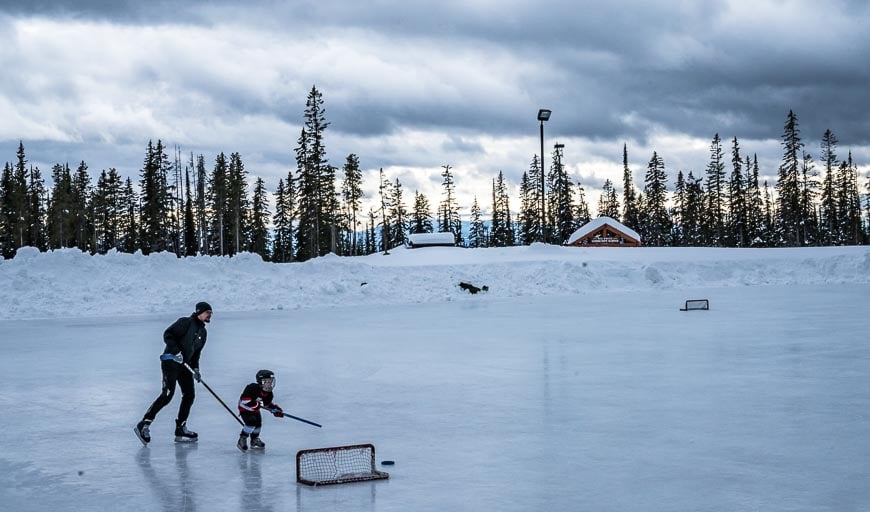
x: 418, y: 240
x: 604, y: 232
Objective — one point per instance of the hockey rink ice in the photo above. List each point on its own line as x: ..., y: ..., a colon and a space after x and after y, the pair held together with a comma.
x: 604, y: 401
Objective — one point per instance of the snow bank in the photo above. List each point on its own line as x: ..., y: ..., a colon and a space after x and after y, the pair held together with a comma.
x: 67, y: 283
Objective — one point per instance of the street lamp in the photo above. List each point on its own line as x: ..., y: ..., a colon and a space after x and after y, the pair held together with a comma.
x: 543, y: 115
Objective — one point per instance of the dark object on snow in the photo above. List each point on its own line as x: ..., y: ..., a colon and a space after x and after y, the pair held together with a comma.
x: 363, y: 283
x: 696, y: 305
x: 473, y: 289
x: 387, y: 462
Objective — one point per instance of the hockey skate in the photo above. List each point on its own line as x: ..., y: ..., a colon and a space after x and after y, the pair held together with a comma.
x: 142, y: 430
x: 183, y: 435
x: 257, y: 443
x: 243, y: 443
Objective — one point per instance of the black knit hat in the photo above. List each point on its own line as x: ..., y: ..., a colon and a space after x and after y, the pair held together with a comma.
x: 202, y: 306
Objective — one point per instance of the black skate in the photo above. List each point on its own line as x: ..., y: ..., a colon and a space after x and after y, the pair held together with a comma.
x: 182, y: 435
x: 257, y: 444
x: 243, y: 443
x: 142, y: 430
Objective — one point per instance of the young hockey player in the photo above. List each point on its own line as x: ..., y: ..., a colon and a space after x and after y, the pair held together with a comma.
x: 255, y: 396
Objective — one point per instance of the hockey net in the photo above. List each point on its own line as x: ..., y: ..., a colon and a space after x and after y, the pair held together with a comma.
x: 696, y: 304
x: 337, y: 465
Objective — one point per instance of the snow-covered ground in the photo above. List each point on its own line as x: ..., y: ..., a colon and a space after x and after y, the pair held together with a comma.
x: 573, y: 384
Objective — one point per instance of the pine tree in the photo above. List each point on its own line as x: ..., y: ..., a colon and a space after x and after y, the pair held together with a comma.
x: 808, y: 191
x: 789, y: 217
x: 450, y: 220
x: 17, y: 219
x: 531, y: 229
x: 629, y: 211
x: 218, y: 208
x: 582, y: 215
x: 502, y: 232
x: 384, y: 195
x: 562, y: 193
x: 608, y: 203
x: 848, y: 203
x: 108, y: 211
x: 768, y: 222
x: 201, y: 212
x: 154, y: 213
x: 129, y: 226
x: 421, y: 216
x: 477, y: 232
x: 398, y: 215
x: 828, y: 219
x: 238, y: 206
x: 259, y: 231
x: 657, y: 225
x: 37, y: 199
x: 191, y: 241
x: 716, y: 189
x: 737, y: 208
x: 352, y: 193
x: 81, y: 208
x: 281, y: 245
x: 7, y: 242
x: 754, y: 205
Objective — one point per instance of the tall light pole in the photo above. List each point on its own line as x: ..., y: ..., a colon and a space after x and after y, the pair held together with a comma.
x: 543, y: 115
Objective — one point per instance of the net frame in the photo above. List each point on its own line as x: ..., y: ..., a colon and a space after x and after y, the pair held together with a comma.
x: 696, y: 305
x: 337, y: 465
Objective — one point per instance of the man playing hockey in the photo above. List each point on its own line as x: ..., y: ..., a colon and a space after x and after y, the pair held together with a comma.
x: 184, y: 341
x: 255, y: 396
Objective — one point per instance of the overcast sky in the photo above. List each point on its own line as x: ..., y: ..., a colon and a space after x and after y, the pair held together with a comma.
x: 413, y: 87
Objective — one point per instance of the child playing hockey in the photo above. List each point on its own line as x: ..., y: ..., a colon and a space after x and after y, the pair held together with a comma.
x: 256, y: 395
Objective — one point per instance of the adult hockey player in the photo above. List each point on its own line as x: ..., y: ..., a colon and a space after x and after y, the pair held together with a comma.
x: 257, y: 395
x: 184, y: 341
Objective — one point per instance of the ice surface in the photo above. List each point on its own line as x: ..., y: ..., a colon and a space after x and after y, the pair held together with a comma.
x: 607, y: 399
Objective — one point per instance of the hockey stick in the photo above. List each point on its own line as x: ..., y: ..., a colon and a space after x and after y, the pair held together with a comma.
x: 303, y: 420
x: 215, y: 395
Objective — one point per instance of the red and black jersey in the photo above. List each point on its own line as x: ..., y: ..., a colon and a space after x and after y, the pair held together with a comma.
x: 254, y: 397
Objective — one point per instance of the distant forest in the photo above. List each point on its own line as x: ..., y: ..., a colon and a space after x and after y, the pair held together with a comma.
x: 180, y: 205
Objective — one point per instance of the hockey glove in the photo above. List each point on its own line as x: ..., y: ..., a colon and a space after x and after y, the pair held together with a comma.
x: 197, y: 375
x: 277, y: 411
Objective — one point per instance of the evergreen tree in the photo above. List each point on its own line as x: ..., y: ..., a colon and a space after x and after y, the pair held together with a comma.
x: 531, y: 228
x: 562, y: 194
x: 37, y: 199
x: 754, y: 205
x: 502, y: 232
x: 848, y: 203
x: 201, y: 212
x: 154, y: 212
x: 737, y: 208
x: 7, y: 213
x: 108, y: 211
x: 80, y: 210
x: 808, y: 192
x: 789, y: 212
x: 629, y: 206
x: 218, y: 208
x: 450, y: 220
x: 716, y: 194
x: 238, y: 206
x: 582, y: 215
x: 608, y: 203
x: 281, y: 246
x: 259, y: 231
x: 129, y: 226
x: 477, y: 232
x: 398, y: 215
x: 657, y: 221
x: 59, y: 223
x: 421, y: 216
x: 384, y: 195
x: 352, y: 193
x: 828, y: 218
x: 191, y: 241
x: 768, y: 218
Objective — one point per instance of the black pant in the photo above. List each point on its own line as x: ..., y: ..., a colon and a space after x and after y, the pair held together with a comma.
x: 172, y: 373
x: 253, y: 423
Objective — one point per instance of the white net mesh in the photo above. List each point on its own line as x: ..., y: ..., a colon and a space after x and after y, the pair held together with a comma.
x: 339, y: 464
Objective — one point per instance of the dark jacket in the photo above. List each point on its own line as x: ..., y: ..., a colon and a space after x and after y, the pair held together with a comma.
x: 186, y: 336
x: 254, y: 397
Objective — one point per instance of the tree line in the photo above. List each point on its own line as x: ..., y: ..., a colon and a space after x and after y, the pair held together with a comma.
x: 185, y: 208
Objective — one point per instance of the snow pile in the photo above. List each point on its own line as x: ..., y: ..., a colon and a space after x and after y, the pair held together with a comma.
x: 68, y: 283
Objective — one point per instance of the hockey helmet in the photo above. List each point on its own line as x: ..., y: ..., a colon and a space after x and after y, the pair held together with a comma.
x: 266, y: 379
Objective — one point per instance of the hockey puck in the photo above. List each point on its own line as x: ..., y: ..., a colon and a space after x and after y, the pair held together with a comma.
x: 387, y: 462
